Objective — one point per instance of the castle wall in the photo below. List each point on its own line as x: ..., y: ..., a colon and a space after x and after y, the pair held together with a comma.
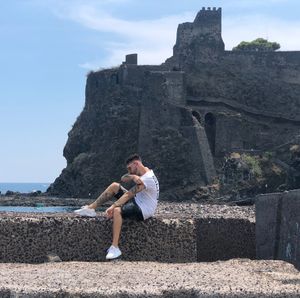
x: 265, y: 83
x: 242, y: 129
x: 237, y: 132
x: 176, y: 88
x: 134, y: 75
x: 165, y: 134
x: 275, y: 58
x: 269, y: 82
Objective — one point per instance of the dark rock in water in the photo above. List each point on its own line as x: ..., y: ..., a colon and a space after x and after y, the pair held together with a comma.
x: 10, y: 193
x: 185, y: 115
x: 35, y: 193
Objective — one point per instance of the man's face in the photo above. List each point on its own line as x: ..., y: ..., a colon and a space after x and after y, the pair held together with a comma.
x: 132, y: 168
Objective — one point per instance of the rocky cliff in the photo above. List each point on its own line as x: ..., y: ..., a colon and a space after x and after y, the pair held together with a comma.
x: 182, y: 116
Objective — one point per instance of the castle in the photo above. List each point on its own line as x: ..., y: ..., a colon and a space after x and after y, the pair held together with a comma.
x: 183, y: 115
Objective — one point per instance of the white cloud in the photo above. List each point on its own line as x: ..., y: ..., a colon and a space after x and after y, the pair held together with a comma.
x: 158, y: 29
x: 151, y: 39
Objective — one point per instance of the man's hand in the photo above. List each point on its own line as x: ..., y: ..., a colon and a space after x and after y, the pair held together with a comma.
x: 126, y: 178
x: 110, y: 211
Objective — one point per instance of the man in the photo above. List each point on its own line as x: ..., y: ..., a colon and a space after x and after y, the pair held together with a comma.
x: 139, y: 203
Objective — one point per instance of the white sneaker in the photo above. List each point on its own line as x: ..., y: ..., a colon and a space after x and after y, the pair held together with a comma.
x: 86, y: 211
x: 113, y: 253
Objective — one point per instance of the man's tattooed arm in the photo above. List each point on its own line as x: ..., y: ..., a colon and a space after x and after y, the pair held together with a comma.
x: 128, y: 178
x: 137, y: 188
x: 130, y: 194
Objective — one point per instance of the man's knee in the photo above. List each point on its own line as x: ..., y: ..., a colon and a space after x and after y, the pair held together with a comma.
x: 117, y: 211
x: 115, y: 186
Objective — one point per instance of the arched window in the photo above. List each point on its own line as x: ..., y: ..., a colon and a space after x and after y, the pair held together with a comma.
x: 197, y: 116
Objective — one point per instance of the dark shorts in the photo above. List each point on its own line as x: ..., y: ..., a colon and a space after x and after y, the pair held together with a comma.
x: 130, y: 209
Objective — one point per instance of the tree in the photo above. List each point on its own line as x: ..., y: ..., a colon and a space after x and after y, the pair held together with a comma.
x: 257, y: 45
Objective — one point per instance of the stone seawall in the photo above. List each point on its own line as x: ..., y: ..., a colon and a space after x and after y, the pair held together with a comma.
x: 196, y: 233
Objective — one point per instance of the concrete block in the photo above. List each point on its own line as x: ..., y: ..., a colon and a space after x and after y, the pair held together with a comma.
x: 278, y: 227
x: 224, y: 239
x: 289, y: 241
x: 266, y: 229
x: 31, y: 238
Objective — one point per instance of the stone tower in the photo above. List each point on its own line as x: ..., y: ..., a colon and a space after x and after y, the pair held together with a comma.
x: 208, y: 21
x: 200, y: 40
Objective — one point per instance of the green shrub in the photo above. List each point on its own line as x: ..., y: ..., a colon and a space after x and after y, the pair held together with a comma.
x: 253, y: 163
x: 257, y: 45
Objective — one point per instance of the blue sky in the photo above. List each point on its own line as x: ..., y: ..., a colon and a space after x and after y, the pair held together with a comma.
x: 48, y: 47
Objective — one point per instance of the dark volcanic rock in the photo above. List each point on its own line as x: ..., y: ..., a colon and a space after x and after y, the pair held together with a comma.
x: 243, y: 176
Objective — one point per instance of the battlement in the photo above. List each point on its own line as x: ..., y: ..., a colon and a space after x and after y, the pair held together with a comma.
x: 210, y: 18
x: 206, y: 14
x: 209, y: 9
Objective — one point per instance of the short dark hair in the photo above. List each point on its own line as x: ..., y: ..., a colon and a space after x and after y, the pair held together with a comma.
x: 133, y: 157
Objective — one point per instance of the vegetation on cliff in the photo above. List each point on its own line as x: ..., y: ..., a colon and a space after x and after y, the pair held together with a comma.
x: 257, y: 45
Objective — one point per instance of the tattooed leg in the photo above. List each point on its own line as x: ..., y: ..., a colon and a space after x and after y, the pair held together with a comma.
x: 106, y: 195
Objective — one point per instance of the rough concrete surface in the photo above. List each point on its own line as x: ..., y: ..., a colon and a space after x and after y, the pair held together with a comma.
x: 178, y: 233
x: 233, y: 278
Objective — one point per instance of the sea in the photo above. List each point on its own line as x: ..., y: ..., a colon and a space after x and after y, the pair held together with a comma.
x: 24, y: 187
